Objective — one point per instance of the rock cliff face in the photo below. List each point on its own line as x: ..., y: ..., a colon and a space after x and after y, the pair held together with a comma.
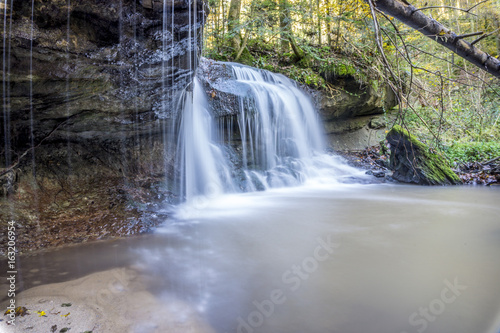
x: 355, y: 114
x: 90, y: 84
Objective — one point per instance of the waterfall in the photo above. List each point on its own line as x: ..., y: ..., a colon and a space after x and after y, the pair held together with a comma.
x: 282, y: 141
x: 203, y: 167
x: 280, y: 131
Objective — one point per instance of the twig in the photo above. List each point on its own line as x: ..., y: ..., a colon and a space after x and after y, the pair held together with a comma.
x: 448, y: 7
x: 477, y: 4
x: 491, y: 161
x: 484, y: 36
x: 451, y: 7
x: 469, y: 35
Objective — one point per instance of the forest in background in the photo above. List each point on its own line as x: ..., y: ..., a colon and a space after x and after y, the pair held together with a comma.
x: 445, y: 101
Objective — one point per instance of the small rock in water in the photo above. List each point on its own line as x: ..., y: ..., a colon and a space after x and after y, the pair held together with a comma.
x: 376, y: 173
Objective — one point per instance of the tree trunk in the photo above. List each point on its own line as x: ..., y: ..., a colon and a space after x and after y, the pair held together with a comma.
x: 318, y: 13
x: 299, y: 54
x: 233, y: 25
x: 285, y: 24
x: 328, y: 23
x: 497, y: 25
x: 431, y: 28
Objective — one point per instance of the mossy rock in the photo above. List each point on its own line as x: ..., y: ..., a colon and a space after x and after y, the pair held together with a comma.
x: 414, y: 162
x: 246, y: 58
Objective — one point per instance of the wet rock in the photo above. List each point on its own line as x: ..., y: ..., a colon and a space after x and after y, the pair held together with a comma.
x: 220, y: 86
x: 376, y: 173
x: 414, y: 162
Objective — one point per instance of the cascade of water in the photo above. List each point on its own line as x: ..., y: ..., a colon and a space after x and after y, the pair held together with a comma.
x: 282, y: 138
x: 123, y: 109
x: 282, y: 142
x: 7, y: 29
x: 32, y: 138
x: 202, y: 163
x: 136, y: 122
x: 68, y: 88
x: 32, y: 123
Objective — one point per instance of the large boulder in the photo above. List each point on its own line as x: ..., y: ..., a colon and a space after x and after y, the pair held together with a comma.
x: 414, y: 162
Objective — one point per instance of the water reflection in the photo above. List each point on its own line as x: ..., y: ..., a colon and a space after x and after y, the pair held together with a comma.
x: 353, y: 258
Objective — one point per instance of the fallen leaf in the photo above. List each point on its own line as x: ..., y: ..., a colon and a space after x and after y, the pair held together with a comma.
x: 65, y: 305
x: 67, y: 314
x: 20, y: 311
x: 53, y: 328
x: 64, y: 330
x: 41, y: 314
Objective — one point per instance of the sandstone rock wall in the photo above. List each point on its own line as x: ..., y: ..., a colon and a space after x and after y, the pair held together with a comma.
x: 90, y: 84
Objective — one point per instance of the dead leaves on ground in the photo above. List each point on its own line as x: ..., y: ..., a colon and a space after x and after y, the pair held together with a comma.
x: 20, y: 311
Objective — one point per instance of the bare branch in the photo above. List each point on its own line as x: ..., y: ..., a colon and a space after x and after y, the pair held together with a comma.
x: 477, y: 4
x: 451, y: 7
x: 484, y: 36
x: 431, y: 28
x: 448, y: 7
x: 470, y: 35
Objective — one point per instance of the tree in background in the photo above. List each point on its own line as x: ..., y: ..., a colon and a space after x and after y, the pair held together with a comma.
x: 443, y: 97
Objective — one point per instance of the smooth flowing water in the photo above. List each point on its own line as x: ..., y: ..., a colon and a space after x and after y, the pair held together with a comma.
x: 280, y: 138
x: 317, y: 258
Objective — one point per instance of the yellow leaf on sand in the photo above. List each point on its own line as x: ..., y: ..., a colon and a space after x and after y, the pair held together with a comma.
x: 67, y: 314
x: 41, y: 313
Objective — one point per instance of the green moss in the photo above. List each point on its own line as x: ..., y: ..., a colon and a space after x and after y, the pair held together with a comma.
x: 343, y: 69
x: 305, y: 76
x: 415, y: 162
x: 246, y: 58
x: 400, y: 131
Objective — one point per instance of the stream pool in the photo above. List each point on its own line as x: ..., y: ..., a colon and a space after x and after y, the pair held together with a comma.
x: 318, y: 258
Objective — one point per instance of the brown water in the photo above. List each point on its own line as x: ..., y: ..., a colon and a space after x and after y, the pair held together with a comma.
x: 346, y: 259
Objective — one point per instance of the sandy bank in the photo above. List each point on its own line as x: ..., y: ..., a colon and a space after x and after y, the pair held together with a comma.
x: 110, y: 301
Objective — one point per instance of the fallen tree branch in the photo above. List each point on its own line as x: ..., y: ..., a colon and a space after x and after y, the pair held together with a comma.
x: 243, y: 46
x: 431, y: 28
x: 491, y: 161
